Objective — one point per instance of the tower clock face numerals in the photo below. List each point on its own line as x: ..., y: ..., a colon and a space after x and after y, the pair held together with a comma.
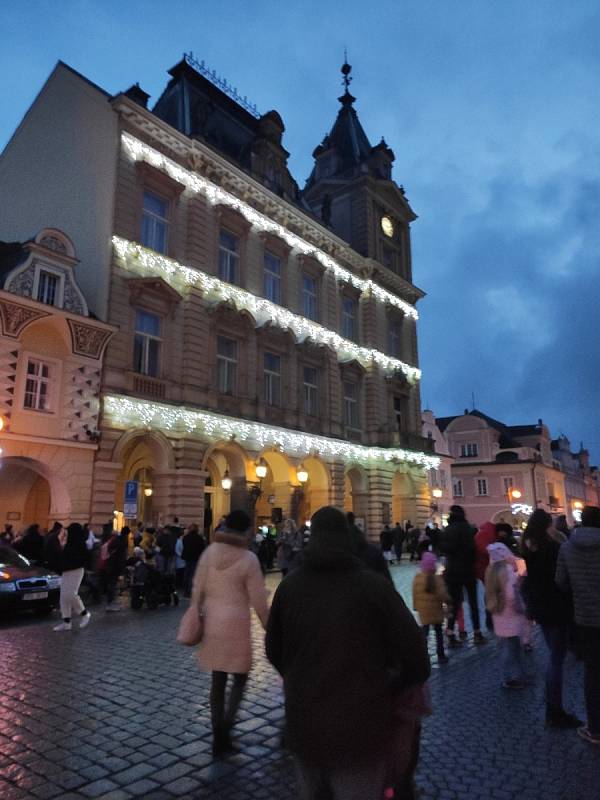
x: 387, y: 226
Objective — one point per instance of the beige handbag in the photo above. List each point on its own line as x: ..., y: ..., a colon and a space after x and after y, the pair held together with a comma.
x: 191, y: 627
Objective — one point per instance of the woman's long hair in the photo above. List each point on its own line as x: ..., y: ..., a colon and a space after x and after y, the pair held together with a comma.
x: 495, y: 581
x: 536, y: 532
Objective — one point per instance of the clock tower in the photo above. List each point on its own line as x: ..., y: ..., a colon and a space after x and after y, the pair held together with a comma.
x: 352, y: 191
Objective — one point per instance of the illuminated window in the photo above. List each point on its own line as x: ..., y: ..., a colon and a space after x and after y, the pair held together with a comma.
x: 155, y: 223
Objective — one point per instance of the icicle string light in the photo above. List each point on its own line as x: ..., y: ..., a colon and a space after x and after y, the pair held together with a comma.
x: 129, y: 412
x: 139, y: 259
x: 140, y: 151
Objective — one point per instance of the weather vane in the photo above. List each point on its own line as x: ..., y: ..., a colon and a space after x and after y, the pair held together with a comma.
x: 346, y: 70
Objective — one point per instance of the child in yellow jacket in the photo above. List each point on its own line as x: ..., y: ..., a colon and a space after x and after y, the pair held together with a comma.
x: 429, y: 596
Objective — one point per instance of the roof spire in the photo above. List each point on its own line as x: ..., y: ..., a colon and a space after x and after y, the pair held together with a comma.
x: 346, y: 98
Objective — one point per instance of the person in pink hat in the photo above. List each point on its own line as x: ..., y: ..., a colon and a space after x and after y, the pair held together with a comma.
x: 429, y: 597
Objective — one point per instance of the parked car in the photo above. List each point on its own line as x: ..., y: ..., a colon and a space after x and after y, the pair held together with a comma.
x: 24, y: 586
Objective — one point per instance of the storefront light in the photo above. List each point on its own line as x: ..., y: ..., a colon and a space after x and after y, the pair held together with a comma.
x: 437, y: 493
x: 301, y: 474
x: 226, y: 481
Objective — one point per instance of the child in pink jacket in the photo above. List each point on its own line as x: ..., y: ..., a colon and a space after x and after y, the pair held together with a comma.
x: 503, y: 601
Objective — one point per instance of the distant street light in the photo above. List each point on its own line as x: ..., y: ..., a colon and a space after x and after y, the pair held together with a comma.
x: 437, y: 493
x: 226, y: 481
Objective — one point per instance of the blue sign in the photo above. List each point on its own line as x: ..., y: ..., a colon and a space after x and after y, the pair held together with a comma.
x: 131, y: 499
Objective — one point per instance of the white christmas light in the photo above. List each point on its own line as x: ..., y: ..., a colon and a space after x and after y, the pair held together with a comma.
x: 140, y: 151
x: 129, y: 412
x: 139, y: 259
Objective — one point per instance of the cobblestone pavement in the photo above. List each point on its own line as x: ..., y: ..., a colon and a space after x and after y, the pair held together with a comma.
x: 120, y: 711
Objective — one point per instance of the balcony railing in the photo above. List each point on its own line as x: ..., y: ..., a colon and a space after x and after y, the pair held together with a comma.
x: 149, y: 387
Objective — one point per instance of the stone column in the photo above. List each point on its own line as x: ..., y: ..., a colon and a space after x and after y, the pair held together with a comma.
x: 379, y: 493
x: 189, y: 496
x: 104, y: 487
x: 336, y: 492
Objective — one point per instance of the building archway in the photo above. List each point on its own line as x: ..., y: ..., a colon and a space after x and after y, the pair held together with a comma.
x: 404, y: 501
x: 315, y: 493
x: 144, y: 455
x: 30, y: 492
x: 356, y: 494
x: 225, y: 461
x: 275, y: 500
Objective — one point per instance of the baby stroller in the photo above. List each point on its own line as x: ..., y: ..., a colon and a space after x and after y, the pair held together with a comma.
x: 145, y: 586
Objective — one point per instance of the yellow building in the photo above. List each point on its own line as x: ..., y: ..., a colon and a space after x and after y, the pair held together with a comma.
x: 267, y: 352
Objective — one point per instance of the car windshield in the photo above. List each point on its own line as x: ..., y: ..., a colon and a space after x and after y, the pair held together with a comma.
x: 10, y: 558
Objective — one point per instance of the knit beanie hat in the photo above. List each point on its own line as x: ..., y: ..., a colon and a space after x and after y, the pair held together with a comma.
x: 329, y: 530
x: 499, y: 552
x: 428, y: 562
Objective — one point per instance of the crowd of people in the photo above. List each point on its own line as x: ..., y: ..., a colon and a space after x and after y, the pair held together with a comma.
x: 353, y: 658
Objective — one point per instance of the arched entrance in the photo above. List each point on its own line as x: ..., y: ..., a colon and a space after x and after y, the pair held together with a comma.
x: 226, y: 463
x: 356, y: 494
x: 404, y: 501
x: 30, y: 492
x: 144, y: 455
x: 315, y: 492
x: 277, y: 492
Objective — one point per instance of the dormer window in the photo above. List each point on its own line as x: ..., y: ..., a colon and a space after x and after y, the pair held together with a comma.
x: 48, y: 287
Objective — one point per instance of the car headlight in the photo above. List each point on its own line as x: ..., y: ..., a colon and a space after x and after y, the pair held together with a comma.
x: 8, y: 586
x: 54, y: 582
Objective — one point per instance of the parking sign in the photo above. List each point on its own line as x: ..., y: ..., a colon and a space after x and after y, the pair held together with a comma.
x: 131, y: 499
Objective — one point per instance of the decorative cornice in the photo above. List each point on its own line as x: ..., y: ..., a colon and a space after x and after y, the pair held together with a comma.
x: 128, y: 412
x: 139, y: 259
x: 215, y: 194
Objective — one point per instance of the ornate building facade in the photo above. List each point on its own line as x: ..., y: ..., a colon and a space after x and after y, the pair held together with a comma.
x: 266, y: 353
x: 50, y: 369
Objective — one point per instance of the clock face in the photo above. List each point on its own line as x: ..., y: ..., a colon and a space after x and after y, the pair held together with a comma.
x: 387, y: 226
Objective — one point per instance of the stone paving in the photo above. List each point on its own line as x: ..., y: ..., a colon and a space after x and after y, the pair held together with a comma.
x: 120, y: 711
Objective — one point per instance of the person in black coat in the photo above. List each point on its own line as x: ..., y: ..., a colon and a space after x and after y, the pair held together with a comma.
x: 366, y: 551
x: 74, y: 557
x: 551, y: 608
x: 339, y: 634
x: 457, y: 544
x: 32, y: 544
x: 194, y: 545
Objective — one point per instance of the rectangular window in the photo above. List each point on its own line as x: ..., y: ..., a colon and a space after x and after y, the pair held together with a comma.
x: 394, y: 338
x: 37, y: 386
x: 155, y: 223
x: 272, y: 287
x: 389, y: 258
x: 507, y: 485
x: 400, y: 412
x: 309, y: 375
x: 272, y: 374
x: 469, y: 450
x: 349, y: 318
x: 482, y: 486
x: 351, y: 416
x: 48, y: 285
x: 457, y: 487
x: 147, y: 343
x: 226, y: 365
x: 229, y: 257
x: 309, y: 297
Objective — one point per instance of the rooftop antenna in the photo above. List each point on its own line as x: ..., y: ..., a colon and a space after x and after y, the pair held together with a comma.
x: 473, y: 400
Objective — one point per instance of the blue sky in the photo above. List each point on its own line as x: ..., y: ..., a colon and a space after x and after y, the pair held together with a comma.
x: 492, y: 111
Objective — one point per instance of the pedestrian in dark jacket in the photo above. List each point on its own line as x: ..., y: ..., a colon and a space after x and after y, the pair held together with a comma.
x: 338, y: 633
x: 52, y: 549
x: 386, y: 542
x: 399, y: 537
x: 550, y: 607
x: 366, y: 551
x: 194, y: 545
x: 578, y: 570
x: 32, y: 544
x: 457, y: 543
x: 74, y: 557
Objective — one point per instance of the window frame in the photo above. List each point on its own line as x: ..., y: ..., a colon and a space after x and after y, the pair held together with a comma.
x: 276, y: 277
x: 304, y: 294
x: 479, y: 484
x: 349, y: 403
x: 39, y: 380
x: 508, y: 483
x: 458, y: 489
x: 310, y: 389
x: 272, y: 378
x: 394, y: 338
x: 54, y: 273
x: 469, y: 450
x: 166, y: 220
x: 160, y: 338
x: 230, y: 254
x: 344, y: 317
x: 227, y: 361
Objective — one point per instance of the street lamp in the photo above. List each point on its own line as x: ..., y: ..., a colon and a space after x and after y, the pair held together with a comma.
x: 261, y: 469
x: 226, y: 481
x: 577, y: 504
x: 148, y: 491
x: 302, y: 474
x: 437, y: 493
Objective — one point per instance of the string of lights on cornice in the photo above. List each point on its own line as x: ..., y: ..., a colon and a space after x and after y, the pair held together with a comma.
x: 129, y: 412
x: 140, y: 259
x: 140, y: 151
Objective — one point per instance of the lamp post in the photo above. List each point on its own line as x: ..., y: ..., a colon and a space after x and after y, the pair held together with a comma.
x: 226, y: 481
